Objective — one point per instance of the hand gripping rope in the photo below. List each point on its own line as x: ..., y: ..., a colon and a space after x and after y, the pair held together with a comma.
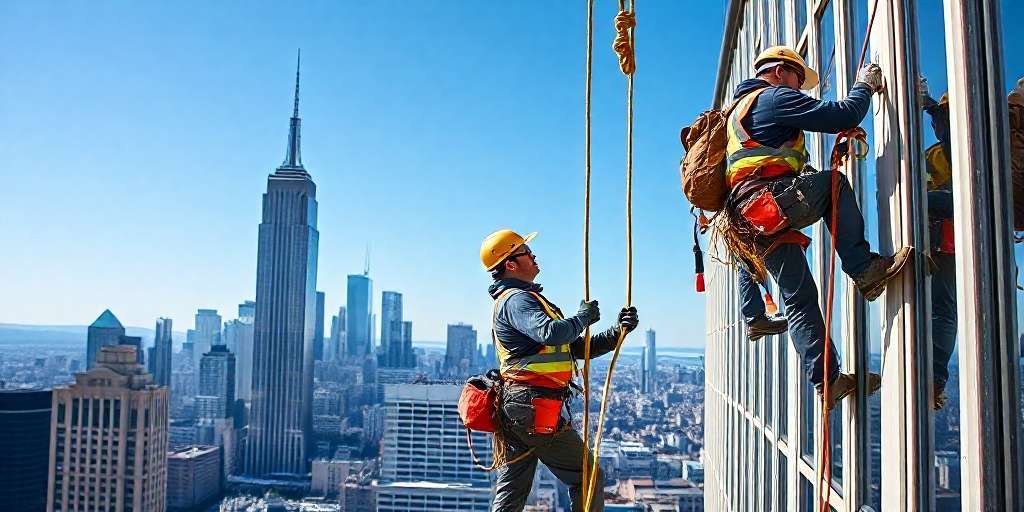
x: 844, y: 144
x: 624, y: 46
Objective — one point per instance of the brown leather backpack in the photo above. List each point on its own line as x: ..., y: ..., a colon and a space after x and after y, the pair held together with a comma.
x: 702, y: 169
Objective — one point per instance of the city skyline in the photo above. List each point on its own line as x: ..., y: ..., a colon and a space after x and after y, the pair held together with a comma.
x: 374, y: 141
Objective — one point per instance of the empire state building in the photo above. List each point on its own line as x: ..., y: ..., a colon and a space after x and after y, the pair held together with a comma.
x: 282, y: 373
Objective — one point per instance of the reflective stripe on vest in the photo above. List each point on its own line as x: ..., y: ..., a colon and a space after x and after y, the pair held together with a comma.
x: 552, y: 366
x: 748, y: 158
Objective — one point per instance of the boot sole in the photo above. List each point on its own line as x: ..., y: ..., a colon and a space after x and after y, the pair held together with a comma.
x: 754, y: 336
x: 876, y: 291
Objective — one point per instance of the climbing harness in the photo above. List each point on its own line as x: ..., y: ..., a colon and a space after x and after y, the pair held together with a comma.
x: 624, y: 46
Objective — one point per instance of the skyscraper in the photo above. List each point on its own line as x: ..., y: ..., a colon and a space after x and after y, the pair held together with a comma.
x: 651, y: 356
x: 461, y: 349
x: 160, y: 364
x: 645, y: 385
x: 318, y: 328
x: 217, y: 378
x: 338, y: 334
x: 238, y: 336
x: 208, y: 326
x: 406, y: 357
x: 282, y: 377
x: 390, y: 329
x: 359, y: 312
x: 105, y: 331
x: 25, y: 445
x: 108, y: 438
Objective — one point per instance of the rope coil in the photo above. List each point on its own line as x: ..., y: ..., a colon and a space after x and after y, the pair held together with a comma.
x: 623, y: 44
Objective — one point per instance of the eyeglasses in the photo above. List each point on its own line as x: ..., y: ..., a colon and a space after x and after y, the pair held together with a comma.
x: 518, y: 254
x: 797, y: 71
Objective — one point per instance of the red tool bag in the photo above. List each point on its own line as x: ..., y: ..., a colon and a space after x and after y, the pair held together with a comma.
x: 478, y: 404
x: 764, y: 213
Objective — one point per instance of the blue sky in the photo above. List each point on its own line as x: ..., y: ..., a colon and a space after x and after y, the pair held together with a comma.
x: 137, y: 141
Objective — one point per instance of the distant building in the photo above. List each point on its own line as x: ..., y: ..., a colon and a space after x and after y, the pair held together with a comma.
x: 112, y: 419
x: 424, y: 441
x: 460, y: 350
x: 238, y: 336
x: 318, y: 327
x: 25, y: 445
x: 337, y: 342
x: 163, y: 347
x: 207, y: 332
x: 193, y: 477
x: 359, y: 305
x: 328, y: 478
x: 390, y: 330
x: 105, y: 331
x: 281, y: 420
x: 650, y: 377
x: 217, y: 378
x: 432, y: 497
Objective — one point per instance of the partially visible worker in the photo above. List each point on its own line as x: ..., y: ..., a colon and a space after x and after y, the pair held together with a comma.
x: 537, y: 348
x: 775, y: 193
x: 942, y: 257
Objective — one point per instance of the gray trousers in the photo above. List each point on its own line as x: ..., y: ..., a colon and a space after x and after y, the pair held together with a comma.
x: 562, y: 452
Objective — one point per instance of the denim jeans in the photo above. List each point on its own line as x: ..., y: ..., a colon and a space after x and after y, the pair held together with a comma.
x: 751, y: 303
x: 940, y: 206
x: 788, y: 265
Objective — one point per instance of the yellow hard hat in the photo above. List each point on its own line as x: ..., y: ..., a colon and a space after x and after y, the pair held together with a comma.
x: 788, y: 55
x: 500, y: 245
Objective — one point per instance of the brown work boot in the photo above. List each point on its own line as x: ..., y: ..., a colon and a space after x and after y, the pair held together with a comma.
x: 938, y: 396
x: 845, y: 384
x: 880, y: 271
x: 764, y: 325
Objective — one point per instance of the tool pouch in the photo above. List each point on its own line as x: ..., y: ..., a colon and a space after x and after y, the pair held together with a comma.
x: 764, y: 213
x: 546, y: 414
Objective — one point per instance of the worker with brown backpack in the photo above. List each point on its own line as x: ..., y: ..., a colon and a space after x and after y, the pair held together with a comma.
x: 768, y: 193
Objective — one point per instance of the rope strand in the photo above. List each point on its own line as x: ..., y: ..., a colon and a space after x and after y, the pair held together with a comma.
x: 586, y: 243
x: 624, y: 46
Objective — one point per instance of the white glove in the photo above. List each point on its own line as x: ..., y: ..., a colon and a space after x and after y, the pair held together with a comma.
x: 922, y: 88
x: 871, y: 75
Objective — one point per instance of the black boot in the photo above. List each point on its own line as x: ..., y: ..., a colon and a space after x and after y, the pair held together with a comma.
x: 762, y: 325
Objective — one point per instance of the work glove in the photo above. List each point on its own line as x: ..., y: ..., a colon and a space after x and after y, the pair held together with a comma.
x: 589, y: 313
x: 922, y: 88
x: 628, y: 319
x: 871, y: 76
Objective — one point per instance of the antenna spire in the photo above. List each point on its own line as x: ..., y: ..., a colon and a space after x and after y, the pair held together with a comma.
x: 366, y: 267
x: 293, y: 158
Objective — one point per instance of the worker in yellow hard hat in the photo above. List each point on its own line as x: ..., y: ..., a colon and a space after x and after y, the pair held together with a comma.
x: 537, y: 349
x: 774, y: 194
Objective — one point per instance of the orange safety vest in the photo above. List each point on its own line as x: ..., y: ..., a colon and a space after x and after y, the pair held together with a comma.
x: 551, y: 367
x: 748, y: 158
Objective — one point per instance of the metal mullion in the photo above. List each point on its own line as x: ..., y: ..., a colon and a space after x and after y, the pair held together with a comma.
x: 907, y: 457
x: 990, y: 408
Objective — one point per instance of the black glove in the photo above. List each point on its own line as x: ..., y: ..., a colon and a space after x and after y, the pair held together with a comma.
x: 589, y: 313
x: 628, y: 319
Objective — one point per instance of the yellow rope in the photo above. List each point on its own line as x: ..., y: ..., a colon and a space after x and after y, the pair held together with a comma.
x: 586, y: 244
x: 624, y: 46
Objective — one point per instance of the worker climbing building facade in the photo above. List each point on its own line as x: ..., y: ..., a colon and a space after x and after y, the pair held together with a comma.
x: 948, y: 188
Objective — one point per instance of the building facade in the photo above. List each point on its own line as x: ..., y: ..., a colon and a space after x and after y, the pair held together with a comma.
x: 390, y: 329
x: 425, y: 441
x: 163, y: 347
x: 318, y: 327
x: 282, y: 375
x: 238, y: 335
x: 338, y: 344
x: 25, y: 443
x: 763, y: 420
x: 217, y: 378
x: 650, y: 377
x: 207, y: 332
x: 460, y: 351
x: 108, y: 438
x: 106, y: 330
x: 358, y: 317
x: 193, y: 477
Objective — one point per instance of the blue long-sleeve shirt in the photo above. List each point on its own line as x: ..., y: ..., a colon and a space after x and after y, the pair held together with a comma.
x: 524, y: 328
x: 780, y: 112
